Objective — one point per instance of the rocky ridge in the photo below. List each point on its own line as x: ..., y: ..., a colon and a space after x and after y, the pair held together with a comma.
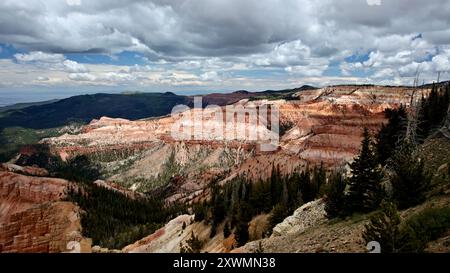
x: 33, y: 215
x: 324, y: 126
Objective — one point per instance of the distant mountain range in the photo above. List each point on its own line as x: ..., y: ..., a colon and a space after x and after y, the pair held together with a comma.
x: 84, y: 108
x: 18, y: 106
x: 128, y: 105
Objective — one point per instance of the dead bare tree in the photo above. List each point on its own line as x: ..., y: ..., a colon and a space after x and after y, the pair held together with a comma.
x: 413, y: 113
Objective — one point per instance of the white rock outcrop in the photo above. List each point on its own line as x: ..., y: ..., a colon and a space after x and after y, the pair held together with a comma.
x: 308, y: 215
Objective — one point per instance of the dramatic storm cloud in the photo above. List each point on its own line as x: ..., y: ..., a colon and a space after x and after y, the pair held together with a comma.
x: 221, y: 44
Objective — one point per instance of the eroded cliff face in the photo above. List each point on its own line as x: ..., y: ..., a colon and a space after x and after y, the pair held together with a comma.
x: 169, y: 238
x: 33, y: 217
x: 324, y: 126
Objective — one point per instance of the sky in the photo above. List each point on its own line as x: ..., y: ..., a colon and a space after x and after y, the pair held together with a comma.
x: 56, y: 48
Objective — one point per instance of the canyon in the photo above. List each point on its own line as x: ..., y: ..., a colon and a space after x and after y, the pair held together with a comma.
x: 323, y: 126
x: 34, y: 216
x: 320, y: 126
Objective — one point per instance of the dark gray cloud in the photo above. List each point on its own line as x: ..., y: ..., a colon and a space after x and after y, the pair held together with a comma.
x: 300, y: 37
x: 214, y: 27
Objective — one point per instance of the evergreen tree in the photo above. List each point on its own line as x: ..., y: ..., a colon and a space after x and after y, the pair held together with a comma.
x: 199, y: 212
x: 318, y: 182
x: 218, y: 206
x: 295, y: 198
x: 276, y: 187
x: 410, y: 236
x: 284, y: 193
x: 426, y: 113
x: 422, y: 228
x: 365, y: 191
x: 391, y: 133
x: 241, y: 233
x: 433, y: 110
x: 260, y: 197
x: 193, y: 245
x: 213, y: 231
x: 266, y: 197
x: 114, y: 220
x: 335, y: 197
x: 226, y: 231
x: 408, y: 179
x: 384, y: 228
x: 278, y: 214
x: 307, y: 190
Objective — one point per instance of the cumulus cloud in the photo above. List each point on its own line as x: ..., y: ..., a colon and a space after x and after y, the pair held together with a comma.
x: 203, y: 41
x: 51, y: 61
x: 441, y: 62
x: 210, y: 76
x: 74, y: 67
x: 385, y: 73
x: 347, y: 68
x: 39, y: 56
x: 82, y: 77
x: 176, y: 28
x: 306, y: 70
x: 285, y: 54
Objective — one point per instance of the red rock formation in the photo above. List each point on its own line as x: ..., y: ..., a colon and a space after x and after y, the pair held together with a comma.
x: 27, y: 170
x: 34, y: 219
x: 326, y: 127
x: 47, y: 228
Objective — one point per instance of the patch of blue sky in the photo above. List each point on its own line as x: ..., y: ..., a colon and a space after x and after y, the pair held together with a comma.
x: 362, y: 73
x: 357, y: 58
x: 7, y: 51
x: 126, y: 58
x: 333, y: 69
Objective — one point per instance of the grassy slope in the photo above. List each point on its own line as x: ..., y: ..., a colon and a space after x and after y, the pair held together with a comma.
x: 12, y: 138
x: 346, y: 235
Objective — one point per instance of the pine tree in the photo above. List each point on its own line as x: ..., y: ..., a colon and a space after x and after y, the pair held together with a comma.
x: 384, y: 228
x: 267, y: 196
x: 391, y: 133
x: 335, y: 196
x: 213, y: 231
x: 193, y: 245
x: 295, y: 198
x: 408, y: 179
x: 200, y: 212
x: 307, y: 190
x: 276, y: 187
x: 365, y: 191
x: 241, y: 233
x: 433, y: 110
x: 218, y: 209
x: 226, y: 230
x: 318, y: 181
x: 278, y: 214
